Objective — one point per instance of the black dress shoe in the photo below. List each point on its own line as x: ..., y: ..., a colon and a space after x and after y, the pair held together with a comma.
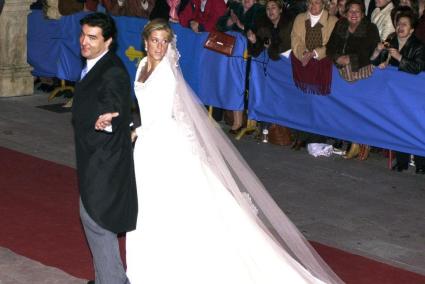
x: 46, y: 88
x: 90, y: 282
x: 298, y: 145
x: 400, y: 167
x: 338, y: 144
x: 420, y: 171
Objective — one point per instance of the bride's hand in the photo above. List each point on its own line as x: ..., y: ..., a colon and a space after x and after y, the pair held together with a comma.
x: 105, y: 120
x: 133, y: 136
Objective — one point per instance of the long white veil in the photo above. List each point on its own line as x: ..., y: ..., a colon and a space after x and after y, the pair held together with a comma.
x: 227, y: 164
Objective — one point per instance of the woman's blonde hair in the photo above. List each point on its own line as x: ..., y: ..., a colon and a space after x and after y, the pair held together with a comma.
x: 157, y: 25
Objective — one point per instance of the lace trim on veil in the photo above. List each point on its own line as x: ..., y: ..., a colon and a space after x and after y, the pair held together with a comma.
x: 218, y: 153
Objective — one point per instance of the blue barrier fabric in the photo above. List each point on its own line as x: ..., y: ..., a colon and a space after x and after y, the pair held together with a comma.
x: 386, y: 110
x: 53, y: 46
x: 43, y: 51
x: 54, y: 51
x: 129, y: 36
x: 222, y: 78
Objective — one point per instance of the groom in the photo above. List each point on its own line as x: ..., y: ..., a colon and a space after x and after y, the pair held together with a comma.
x: 101, y: 116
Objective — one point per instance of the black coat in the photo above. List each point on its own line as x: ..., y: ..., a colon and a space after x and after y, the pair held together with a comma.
x: 359, y: 45
x: 279, y: 37
x: 412, y: 55
x: 160, y: 10
x: 247, y: 18
x: 372, y: 6
x: 105, y: 160
x: 295, y: 7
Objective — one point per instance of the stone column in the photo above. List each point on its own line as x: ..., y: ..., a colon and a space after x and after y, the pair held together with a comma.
x: 15, y: 73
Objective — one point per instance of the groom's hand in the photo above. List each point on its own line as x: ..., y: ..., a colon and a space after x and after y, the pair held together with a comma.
x: 104, y: 121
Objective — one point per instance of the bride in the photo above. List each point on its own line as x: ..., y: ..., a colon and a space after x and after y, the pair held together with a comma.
x: 204, y: 217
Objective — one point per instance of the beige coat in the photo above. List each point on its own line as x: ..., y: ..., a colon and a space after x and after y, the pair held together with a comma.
x: 382, y: 19
x: 298, y: 34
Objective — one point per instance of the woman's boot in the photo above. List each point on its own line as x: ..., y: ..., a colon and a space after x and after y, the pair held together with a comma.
x: 353, y: 152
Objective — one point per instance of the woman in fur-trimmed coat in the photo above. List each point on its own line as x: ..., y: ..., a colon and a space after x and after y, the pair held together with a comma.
x: 358, y: 44
x: 273, y: 32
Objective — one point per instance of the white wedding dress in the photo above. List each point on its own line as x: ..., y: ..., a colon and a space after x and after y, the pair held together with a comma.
x: 191, y: 228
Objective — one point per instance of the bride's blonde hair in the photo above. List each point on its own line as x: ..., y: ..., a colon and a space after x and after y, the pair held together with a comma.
x: 157, y: 25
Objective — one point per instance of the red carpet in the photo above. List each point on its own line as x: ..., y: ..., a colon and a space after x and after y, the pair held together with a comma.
x: 39, y: 219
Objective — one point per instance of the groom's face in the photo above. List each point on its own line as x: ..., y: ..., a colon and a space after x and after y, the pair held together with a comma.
x: 157, y: 44
x: 92, y: 42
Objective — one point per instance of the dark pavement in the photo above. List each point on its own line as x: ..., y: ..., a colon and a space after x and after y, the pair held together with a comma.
x: 358, y: 206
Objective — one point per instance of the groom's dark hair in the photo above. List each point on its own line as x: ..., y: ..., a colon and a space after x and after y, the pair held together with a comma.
x: 102, y: 21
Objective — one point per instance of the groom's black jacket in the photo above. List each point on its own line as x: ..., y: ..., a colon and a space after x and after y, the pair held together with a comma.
x: 105, y: 160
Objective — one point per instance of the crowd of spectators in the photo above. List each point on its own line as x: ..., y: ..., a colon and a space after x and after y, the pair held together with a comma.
x: 354, y: 35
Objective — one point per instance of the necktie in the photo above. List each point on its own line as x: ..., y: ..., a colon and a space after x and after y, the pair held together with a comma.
x: 83, y: 72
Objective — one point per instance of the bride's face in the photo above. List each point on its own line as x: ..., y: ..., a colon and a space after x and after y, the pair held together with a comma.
x: 156, y: 45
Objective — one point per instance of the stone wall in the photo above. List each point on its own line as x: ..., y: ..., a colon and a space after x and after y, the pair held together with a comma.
x: 15, y: 73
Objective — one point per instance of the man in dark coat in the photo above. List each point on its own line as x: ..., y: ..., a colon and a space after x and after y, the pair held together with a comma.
x: 1, y: 5
x: 101, y: 117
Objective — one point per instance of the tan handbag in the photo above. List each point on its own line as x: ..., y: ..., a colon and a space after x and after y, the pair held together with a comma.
x: 220, y: 42
x: 351, y: 76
